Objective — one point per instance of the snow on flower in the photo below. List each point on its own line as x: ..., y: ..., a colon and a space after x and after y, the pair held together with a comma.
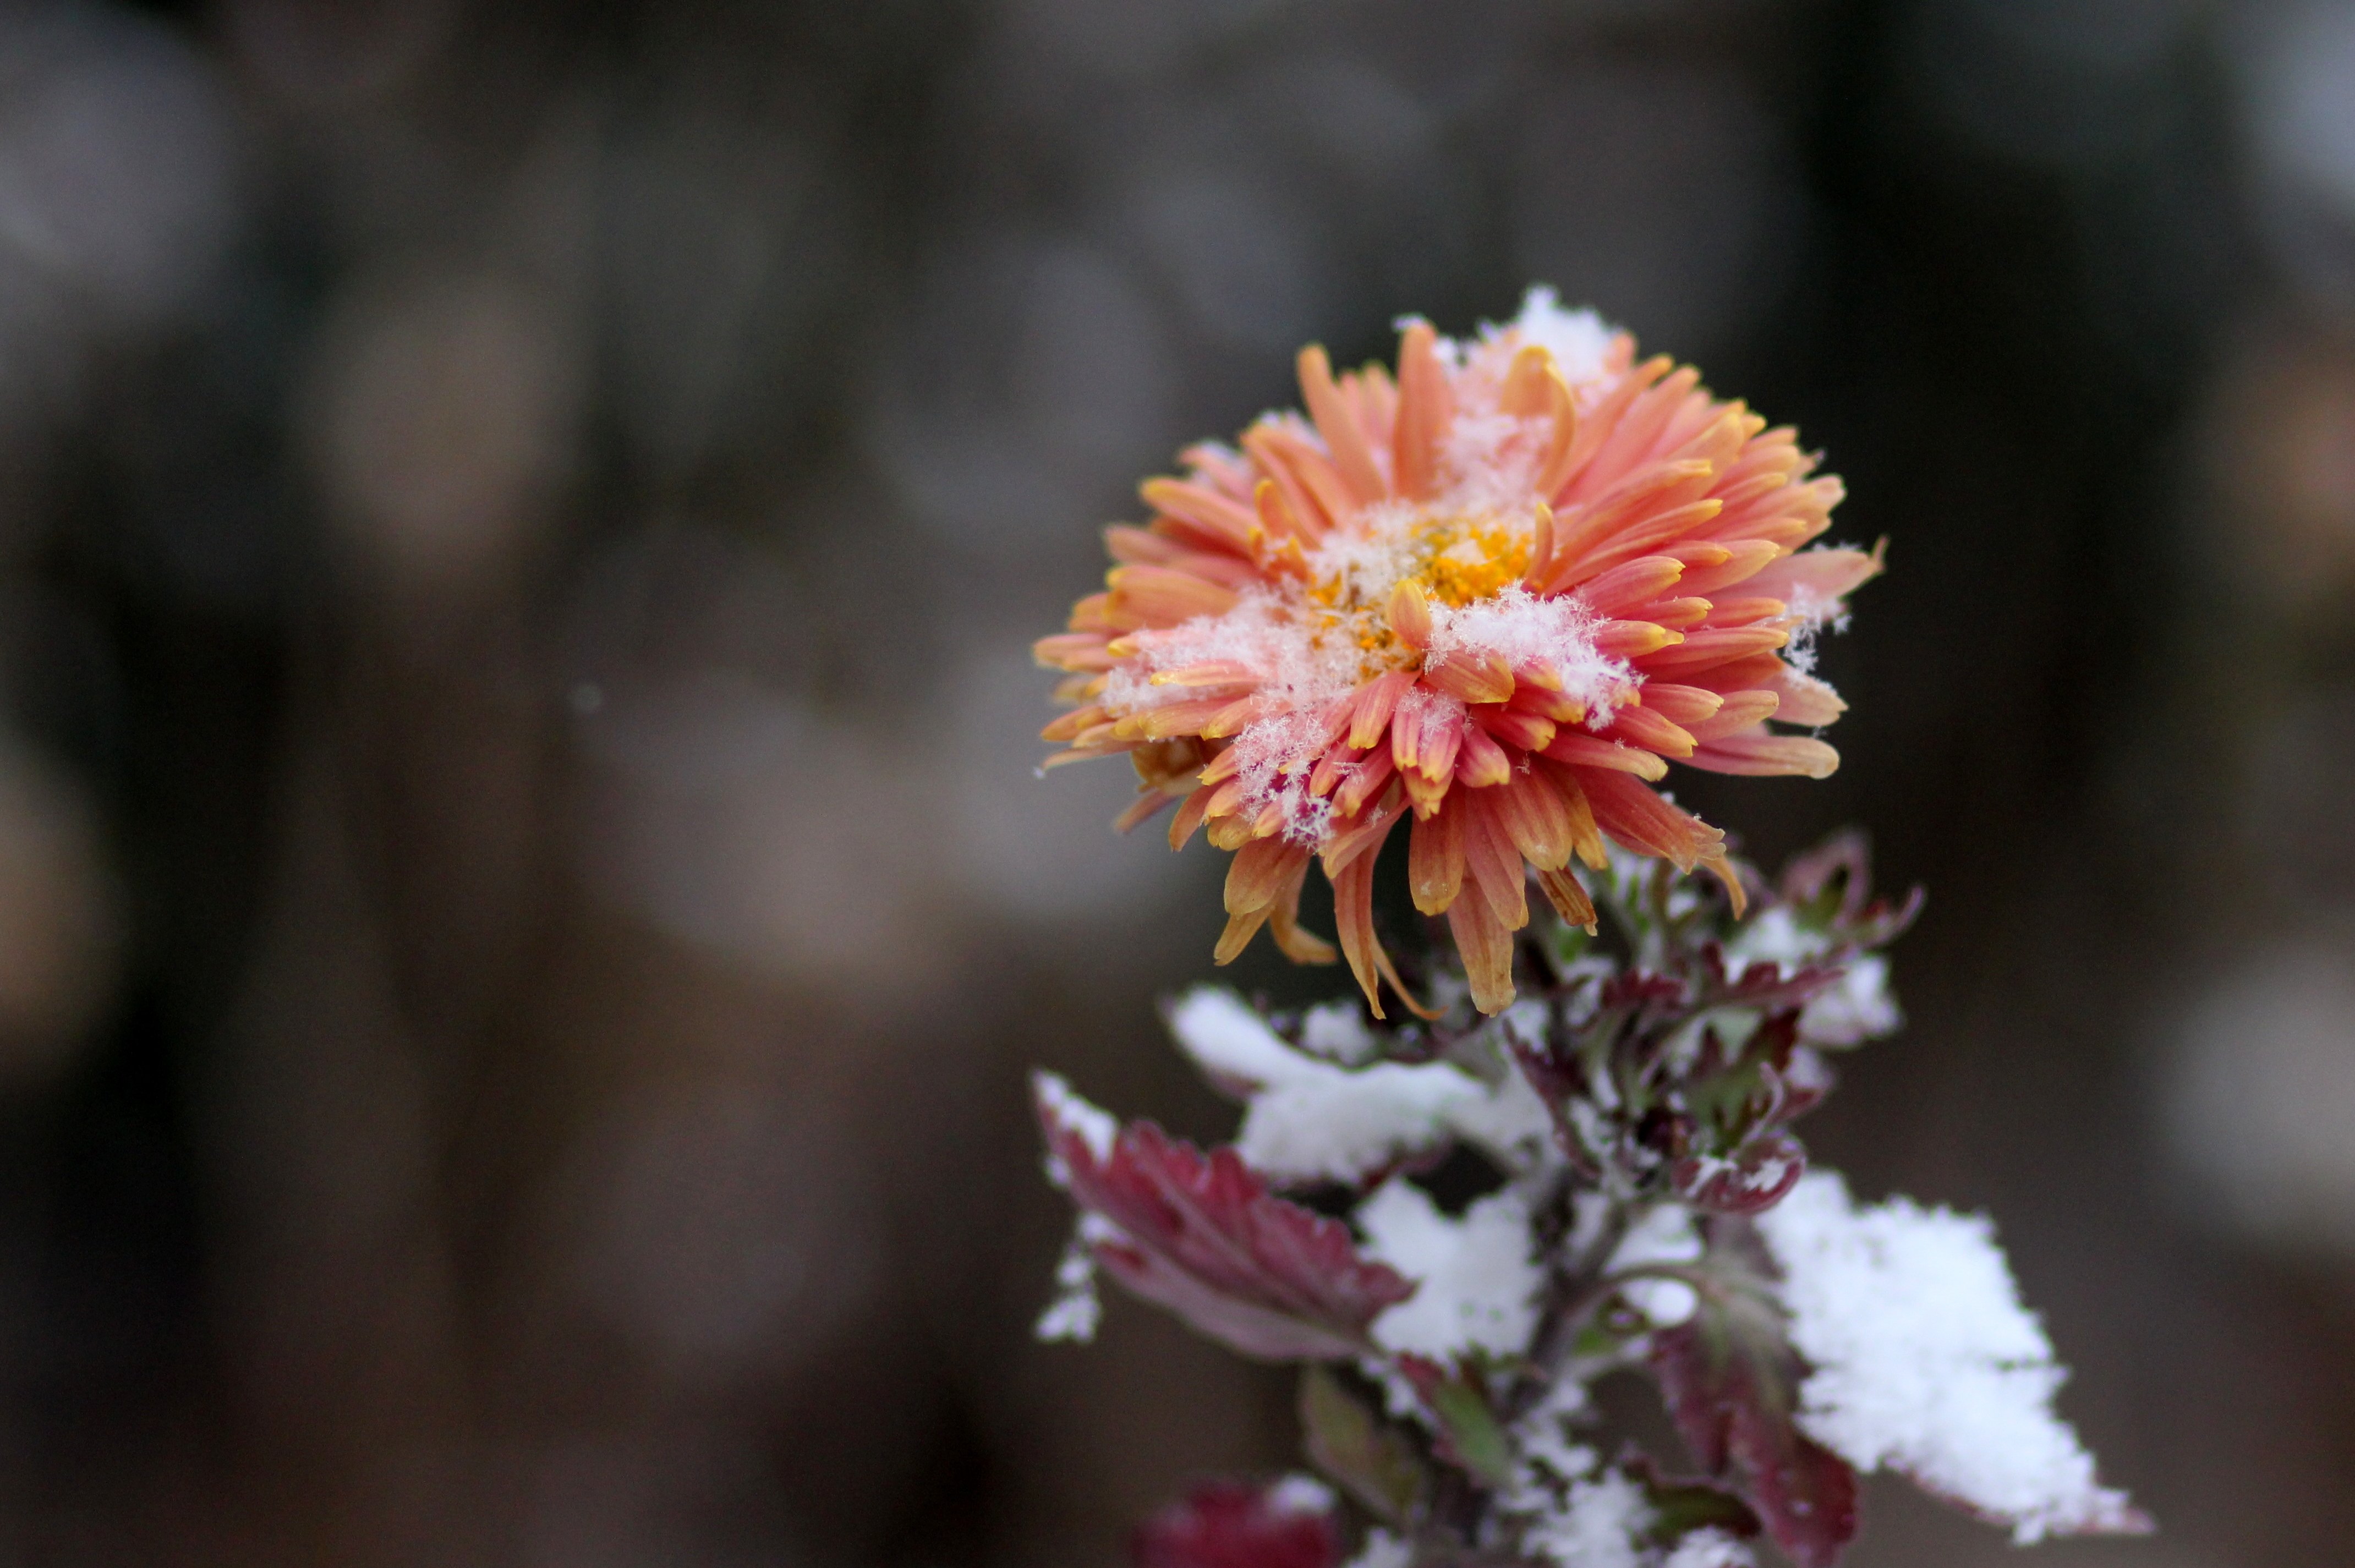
x: 1477, y: 1286
x: 1310, y: 1119
x: 1494, y: 595
x: 1925, y: 1360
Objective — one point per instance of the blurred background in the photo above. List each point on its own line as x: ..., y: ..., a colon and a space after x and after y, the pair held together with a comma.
x: 524, y: 909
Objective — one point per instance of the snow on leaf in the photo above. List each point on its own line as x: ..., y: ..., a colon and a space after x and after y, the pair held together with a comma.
x: 1478, y: 1286
x: 1662, y: 1233
x: 1730, y: 1381
x: 1076, y: 1309
x: 1311, y: 1120
x: 1201, y: 1235
x: 1859, y: 1008
x: 1235, y: 1524
x: 1925, y: 1360
x: 1756, y: 1179
x: 1602, y: 1523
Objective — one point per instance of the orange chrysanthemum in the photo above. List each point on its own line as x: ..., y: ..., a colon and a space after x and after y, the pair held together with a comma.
x: 1499, y: 594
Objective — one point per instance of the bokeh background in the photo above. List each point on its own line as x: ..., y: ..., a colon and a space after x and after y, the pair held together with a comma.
x: 524, y: 907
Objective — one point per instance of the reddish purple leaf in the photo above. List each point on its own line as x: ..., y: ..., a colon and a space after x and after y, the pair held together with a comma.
x: 1202, y: 1235
x: 1730, y: 1381
x: 1752, y: 1181
x: 1233, y: 1524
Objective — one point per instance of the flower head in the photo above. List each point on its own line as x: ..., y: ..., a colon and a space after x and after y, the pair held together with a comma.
x: 1495, y: 596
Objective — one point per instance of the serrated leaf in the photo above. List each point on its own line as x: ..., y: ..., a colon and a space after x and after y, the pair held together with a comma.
x: 1730, y: 1379
x: 1201, y: 1235
x: 1236, y: 1524
x: 1350, y: 1440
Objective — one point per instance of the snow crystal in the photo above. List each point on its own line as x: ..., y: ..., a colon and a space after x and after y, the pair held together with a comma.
x: 1809, y: 614
x: 1857, y: 1010
x: 1301, y: 675
x: 1097, y: 1127
x: 1665, y: 1234
x: 1925, y: 1360
x: 1337, y: 1031
x: 1578, y: 339
x: 1382, y: 1550
x: 1600, y: 1526
x: 1494, y: 459
x: 1297, y: 1493
x: 1520, y: 628
x: 1479, y: 1288
x: 1710, y: 1548
x: 1310, y: 1119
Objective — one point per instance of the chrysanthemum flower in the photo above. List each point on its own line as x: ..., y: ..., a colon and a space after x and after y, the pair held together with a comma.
x: 1498, y: 595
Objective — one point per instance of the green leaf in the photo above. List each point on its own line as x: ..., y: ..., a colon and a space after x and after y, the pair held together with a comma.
x: 1469, y: 1428
x: 1351, y: 1441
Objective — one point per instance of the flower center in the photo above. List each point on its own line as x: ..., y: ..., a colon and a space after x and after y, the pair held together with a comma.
x: 1468, y: 558
x: 1457, y: 558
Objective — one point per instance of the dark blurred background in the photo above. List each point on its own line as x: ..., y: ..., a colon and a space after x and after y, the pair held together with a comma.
x: 523, y: 903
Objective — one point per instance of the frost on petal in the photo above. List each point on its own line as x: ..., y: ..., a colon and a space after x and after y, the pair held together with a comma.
x: 1478, y: 1287
x: 1521, y: 628
x: 1925, y: 1360
x: 1310, y: 1120
x: 1233, y: 1524
x: 1201, y: 1235
x: 1578, y: 339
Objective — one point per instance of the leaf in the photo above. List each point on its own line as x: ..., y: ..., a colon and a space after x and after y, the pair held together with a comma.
x: 1754, y: 1181
x: 1201, y: 1235
x: 1235, y: 1524
x: 1679, y: 1507
x: 1848, y: 909
x: 1730, y: 1379
x: 1469, y: 1433
x: 1349, y: 1440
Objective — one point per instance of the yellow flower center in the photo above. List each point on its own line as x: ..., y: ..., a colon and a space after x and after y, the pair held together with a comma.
x: 1457, y: 559
x: 1464, y: 559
